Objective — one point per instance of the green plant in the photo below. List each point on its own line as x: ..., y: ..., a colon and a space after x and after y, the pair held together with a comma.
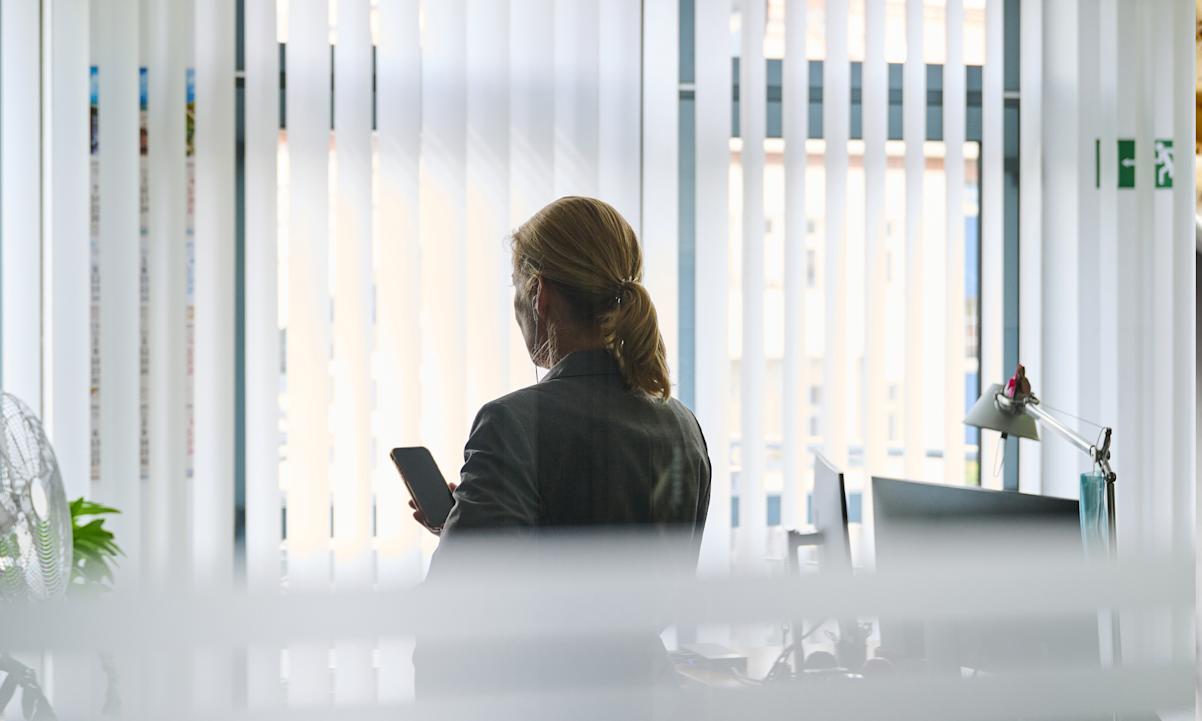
x: 95, y: 554
x: 95, y: 551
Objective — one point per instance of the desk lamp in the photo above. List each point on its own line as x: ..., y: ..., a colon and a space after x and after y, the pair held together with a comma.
x: 1014, y: 410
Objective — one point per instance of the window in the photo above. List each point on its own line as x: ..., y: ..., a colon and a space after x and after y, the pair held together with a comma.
x: 836, y: 301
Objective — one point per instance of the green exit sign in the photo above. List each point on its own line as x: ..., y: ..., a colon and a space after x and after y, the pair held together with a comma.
x: 1162, y: 163
x: 1126, y: 163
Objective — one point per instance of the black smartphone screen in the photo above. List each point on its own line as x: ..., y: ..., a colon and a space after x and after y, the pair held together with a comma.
x: 425, y: 483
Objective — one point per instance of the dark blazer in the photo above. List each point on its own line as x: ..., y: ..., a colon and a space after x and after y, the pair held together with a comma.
x: 580, y: 450
x: 577, y: 450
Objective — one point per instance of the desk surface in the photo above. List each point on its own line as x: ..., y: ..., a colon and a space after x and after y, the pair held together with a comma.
x: 759, y: 662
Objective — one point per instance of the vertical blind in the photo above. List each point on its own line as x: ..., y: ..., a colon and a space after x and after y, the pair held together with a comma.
x: 846, y: 263
x: 855, y: 318
x: 373, y: 191
x: 377, y: 186
x: 752, y: 114
x: 713, y: 306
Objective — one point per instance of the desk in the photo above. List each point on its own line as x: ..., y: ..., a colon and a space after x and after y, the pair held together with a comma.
x: 759, y: 663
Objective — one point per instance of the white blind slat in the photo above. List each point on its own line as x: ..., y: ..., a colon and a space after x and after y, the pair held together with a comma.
x: 577, y: 67
x: 308, y: 345
x: 489, y: 292
x: 263, y: 688
x: 836, y: 108
x: 308, y: 329
x: 213, y: 538
x: 354, y: 682
x: 1030, y: 199
x: 398, y: 341
x: 712, y: 110
x: 1089, y: 368
x: 213, y: 484
x: 992, y: 312
x: 955, y: 364
x: 20, y: 200
x: 1185, y: 419
x: 262, y: 312
x: 117, y: 60
x: 618, y: 131
x: 443, y: 232
x: 1162, y: 255
x: 1130, y: 420
x: 67, y: 264
x: 913, y: 135
x: 1108, y: 228
x: 1056, y: 379
x: 752, y: 538
x: 168, y: 542
x: 875, y: 102
x: 352, y: 295
x: 661, y: 106
x: 796, y: 88
x: 531, y: 136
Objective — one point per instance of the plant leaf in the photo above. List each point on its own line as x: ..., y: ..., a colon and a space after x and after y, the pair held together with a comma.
x: 84, y: 507
x: 94, y: 546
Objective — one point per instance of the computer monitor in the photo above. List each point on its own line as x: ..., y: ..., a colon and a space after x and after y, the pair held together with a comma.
x: 829, y: 509
x: 902, y: 508
x: 976, y: 520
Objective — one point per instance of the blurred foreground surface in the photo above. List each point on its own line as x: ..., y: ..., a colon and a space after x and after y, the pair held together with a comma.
x: 1005, y: 625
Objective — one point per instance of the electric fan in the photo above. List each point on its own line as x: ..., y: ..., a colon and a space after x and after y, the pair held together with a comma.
x: 35, y: 520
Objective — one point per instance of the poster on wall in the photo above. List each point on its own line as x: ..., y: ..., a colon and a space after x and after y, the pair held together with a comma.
x: 94, y: 270
x: 143, y: 282
x: 190, y: 259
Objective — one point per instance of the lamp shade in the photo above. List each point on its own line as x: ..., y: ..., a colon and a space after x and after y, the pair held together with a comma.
x: 985, y: 413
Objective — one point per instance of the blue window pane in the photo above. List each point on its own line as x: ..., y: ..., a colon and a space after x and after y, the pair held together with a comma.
x: 972, y: 247
x: 774, y: 510
x: 972, y: 389
x: 855, y: 505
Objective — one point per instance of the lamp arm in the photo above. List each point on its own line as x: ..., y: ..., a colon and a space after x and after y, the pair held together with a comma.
x: 1098, y: 454
x: 1048, y: 420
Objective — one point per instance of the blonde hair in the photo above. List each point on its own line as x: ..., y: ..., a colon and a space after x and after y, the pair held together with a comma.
x: 589, y: 251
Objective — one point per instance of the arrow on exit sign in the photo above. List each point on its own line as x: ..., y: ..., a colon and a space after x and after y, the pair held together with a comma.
x: 1126, y: 163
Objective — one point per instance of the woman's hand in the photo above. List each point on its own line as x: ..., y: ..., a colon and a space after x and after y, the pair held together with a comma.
x: 420, y: 518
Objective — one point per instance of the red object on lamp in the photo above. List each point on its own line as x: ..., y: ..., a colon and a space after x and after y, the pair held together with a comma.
x: 1018, y: 385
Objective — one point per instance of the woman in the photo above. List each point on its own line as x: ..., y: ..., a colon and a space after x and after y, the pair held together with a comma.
x: 598, y: 442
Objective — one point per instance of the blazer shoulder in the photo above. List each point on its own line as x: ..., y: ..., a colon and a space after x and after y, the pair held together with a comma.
x: 688, y: 419
x: 517, y: 405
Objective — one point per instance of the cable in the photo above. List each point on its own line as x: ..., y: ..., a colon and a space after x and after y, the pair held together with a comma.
x: 1000, y: 454
x: 1070, y: 415
x: 789, y: 649
x: 747, y: 680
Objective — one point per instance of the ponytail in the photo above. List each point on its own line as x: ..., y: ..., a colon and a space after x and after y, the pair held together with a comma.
x: 631, y: 332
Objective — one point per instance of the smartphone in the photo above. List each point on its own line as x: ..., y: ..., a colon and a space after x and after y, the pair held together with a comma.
x: 425, y: 483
